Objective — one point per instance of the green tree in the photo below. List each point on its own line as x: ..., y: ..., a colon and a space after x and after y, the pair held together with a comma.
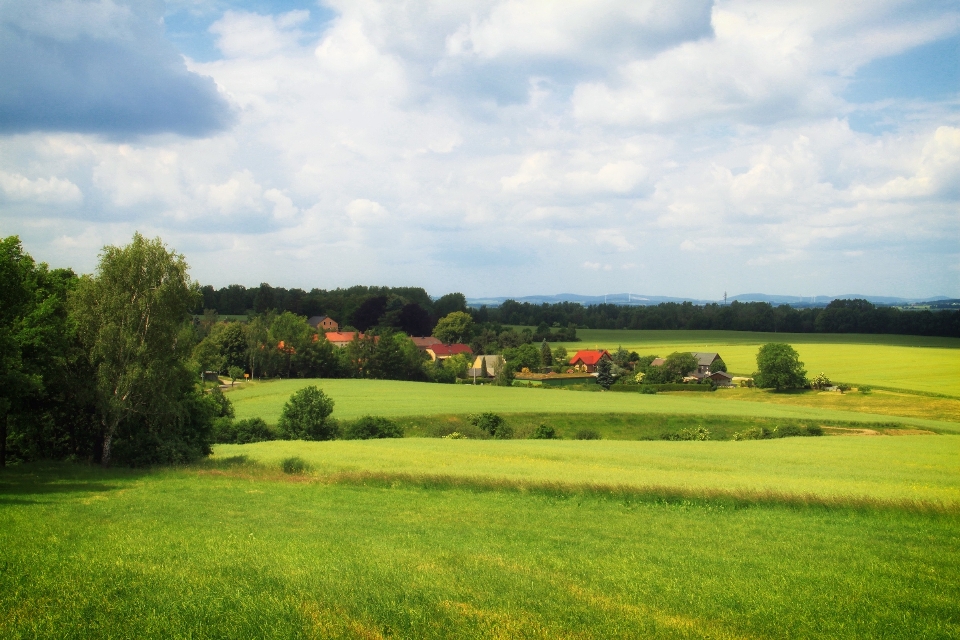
x: 561, y: 357
x: 679, y: 364
x: 234, y: 373
x: 130, y: 316
x: 306, y: 416
x: 621, y: 358
x: 604, y: 374
x: 448, y: 304
x: 779, y: 367
x: 718, y: 365
x: 454, y: 328
x: 546, y: 356
x: 258, y: 338
x: 294, y: 333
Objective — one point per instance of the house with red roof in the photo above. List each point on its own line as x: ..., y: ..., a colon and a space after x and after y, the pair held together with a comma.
x: 444, y: 351
x: 425, y: 343
x: 589, y: 358
x: 341, y: 338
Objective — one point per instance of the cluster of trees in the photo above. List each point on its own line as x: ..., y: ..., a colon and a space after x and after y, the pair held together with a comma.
x: 407, y: 309
x: 840, y: 316
x: 97, y: 367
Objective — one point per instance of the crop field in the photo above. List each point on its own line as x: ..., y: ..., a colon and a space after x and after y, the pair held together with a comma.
x: 355, y: 398
x: 418, y: 538
x: 899, y: 362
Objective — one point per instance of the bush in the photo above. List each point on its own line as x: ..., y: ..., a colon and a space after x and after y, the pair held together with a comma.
x: 687, y: 434
x: 456, y: 435
x: 306, y: 416
x: 648, y: 389
x: 544, y: 432
x: 294, y: 465
x: 587, y: 434
x: 781, y: 431
x: 493, y: 424
x: 814, y: 430
x: 372, y: 427
x: 252, y: 430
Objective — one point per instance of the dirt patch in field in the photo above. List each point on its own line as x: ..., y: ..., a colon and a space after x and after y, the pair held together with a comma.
x: 851, y: 431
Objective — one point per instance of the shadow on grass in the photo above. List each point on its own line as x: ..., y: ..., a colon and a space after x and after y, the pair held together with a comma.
x: 51, y: 478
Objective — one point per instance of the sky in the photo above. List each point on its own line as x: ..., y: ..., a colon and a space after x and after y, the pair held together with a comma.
x: 496, y: 148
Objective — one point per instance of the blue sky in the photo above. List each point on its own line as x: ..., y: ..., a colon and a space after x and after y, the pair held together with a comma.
x: 501, y: 147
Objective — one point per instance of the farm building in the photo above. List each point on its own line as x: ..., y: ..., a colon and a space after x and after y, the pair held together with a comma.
x: 341, y: 338
x: 589, y: 358
x: 425, y: 343
x: 323, y: 323
x: 704, y: 360
x: 492, y: 364
x: 444, y: 351
x: 721, y: 378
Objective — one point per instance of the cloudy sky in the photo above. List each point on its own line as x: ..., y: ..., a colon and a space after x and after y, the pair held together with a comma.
x: 501, y: 147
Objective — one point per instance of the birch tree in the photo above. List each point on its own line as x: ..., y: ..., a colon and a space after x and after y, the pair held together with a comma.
x: 129, y: 316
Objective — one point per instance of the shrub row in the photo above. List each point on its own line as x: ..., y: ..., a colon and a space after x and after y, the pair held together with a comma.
x: 654, y: 388
x: 783, y: 431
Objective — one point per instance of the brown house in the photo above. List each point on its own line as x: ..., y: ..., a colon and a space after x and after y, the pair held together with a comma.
x: 323, y: 323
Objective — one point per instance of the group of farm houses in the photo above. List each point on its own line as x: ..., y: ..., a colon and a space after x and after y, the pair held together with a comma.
x: 581, y: 367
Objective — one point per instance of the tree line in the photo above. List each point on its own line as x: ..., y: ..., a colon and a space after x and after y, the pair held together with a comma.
x: 839, y: 316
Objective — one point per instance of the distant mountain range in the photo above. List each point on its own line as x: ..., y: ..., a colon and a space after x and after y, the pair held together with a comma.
x: 634, y: 299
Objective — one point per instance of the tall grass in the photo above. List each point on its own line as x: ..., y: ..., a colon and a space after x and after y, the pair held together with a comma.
x: 177, y: 553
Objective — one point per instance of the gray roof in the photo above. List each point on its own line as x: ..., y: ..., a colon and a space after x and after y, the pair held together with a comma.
x: 314, y: 320
x: 705, y: 358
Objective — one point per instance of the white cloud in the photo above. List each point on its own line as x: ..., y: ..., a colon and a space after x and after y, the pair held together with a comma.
x: 52, y: 191
x: 564, y: 142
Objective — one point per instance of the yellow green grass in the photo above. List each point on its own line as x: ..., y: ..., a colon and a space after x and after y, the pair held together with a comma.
x: 827, y: 537
x: 901, y: 362
x: 898, y: 468
x: 355, y: 398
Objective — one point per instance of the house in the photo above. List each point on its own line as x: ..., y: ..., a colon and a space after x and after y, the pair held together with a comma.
x: 424, y: 343
x: 704, y: 360
x: 341, y: 338
x: 323, y: 323
x: 657, y: 362
x: 444, y: 351
x: 492, y: 364
x: 721, y: 378
x: 589, y: 358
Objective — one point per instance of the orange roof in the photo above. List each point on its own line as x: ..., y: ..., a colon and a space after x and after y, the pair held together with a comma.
x: 340, y: 336
x: 589, y: 357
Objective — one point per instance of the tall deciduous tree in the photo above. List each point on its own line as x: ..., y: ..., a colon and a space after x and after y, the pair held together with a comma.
x: 453, y: 328
x: 130, y: 315
x: 779, y: 367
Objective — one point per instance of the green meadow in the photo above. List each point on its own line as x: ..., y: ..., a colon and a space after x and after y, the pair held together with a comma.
x: 355, y: 398
x: 418, y: 538
x: 914, y: 363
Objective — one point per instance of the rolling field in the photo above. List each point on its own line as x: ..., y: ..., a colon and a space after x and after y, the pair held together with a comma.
x: 899, y: 362
x: 355, y: 398
x: 828, y: 537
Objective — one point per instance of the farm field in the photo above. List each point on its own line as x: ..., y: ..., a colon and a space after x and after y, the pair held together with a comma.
x: 825, y: 537
x: 899, y: 362
x: 355, y: 398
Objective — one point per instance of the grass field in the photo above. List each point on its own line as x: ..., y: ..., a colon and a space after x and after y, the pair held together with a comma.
x: 355, y: 398
x: 825, y: 537
x: 899, y: 362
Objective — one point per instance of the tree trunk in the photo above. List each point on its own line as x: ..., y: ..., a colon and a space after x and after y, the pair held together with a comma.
x: 107, y: 442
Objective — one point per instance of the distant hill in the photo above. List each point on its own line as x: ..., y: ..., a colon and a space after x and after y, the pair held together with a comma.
x: 636, y: 300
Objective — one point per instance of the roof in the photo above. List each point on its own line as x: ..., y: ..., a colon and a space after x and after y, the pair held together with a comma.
x: 423, y: 343
x: 590, y: 357
x: 315, y: 320
x: 705, y: 358
x: 657, y: 362
x: 341, y: 336
x: 720, y: 374
x: 444, y: 350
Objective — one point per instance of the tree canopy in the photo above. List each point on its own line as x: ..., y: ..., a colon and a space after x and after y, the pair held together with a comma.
x: 779, y: 367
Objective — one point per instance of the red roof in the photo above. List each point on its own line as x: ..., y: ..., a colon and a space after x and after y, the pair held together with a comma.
x: 444, y: 350
x: 589, y: 357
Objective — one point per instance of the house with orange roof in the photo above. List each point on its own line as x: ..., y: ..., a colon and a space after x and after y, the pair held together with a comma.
x: 444, y: 351
x: 589, y: 358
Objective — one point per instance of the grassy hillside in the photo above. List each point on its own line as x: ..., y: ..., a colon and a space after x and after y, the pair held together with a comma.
x: 355, y: 398
x: 755, y: 539
x: 908, y: 468
x: 901, y: 362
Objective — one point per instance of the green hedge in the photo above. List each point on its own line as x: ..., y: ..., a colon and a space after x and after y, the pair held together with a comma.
x: 637, y: 388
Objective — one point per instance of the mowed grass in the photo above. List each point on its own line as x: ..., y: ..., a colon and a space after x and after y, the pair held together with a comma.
x: 355, y: 398
x: 227, y: 550
x: 899, y: 362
